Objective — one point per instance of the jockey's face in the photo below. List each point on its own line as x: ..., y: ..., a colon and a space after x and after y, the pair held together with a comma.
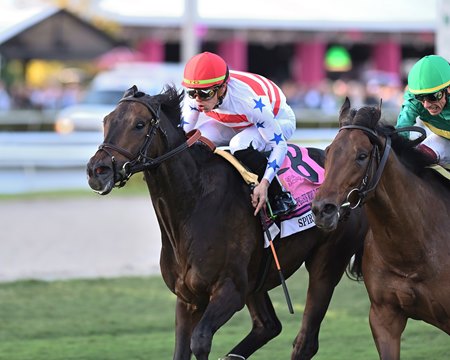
x: 435, y: 107
x: 206, y: 99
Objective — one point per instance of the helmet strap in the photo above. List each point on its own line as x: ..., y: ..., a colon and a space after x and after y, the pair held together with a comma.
x: 221, y: 97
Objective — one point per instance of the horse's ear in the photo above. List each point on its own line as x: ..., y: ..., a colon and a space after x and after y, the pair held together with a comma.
x: 131, y: 91
x: 344, y: 112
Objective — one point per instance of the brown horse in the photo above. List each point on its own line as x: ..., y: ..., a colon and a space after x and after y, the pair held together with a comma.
x: 406, y: 261
x: 212, y: 245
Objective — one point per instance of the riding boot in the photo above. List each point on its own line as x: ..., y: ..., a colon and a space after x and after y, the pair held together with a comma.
x: 280, y: 200
x: 429, y: 151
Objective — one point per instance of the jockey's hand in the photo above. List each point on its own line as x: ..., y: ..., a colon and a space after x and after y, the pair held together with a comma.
x: 259, y: 195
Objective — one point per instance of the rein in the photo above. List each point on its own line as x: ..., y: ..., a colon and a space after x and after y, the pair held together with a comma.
x: 365, y: 186
x: 192, y: 138
x: 141, y: 161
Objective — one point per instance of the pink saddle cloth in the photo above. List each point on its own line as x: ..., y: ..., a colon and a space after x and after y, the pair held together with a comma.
x: 302, y: 176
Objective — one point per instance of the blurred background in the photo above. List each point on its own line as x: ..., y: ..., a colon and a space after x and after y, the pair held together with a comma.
x: 64, y: 64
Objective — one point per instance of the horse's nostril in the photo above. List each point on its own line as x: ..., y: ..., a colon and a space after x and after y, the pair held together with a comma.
x: 329, y: 209
x: 101, y: 170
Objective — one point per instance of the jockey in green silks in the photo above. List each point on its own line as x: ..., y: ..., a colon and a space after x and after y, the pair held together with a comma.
x: 427, y: 98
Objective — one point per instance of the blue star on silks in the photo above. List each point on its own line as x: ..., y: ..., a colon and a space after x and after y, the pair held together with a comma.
x: 258, y: 104
x: 273, y: 165
x: 182, y: 123
x: 193, y: 108
x: 277, y: 138
x: 260, y: 125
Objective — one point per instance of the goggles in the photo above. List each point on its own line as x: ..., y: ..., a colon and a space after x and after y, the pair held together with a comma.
x: 203, y: 94
x: 431, y: 97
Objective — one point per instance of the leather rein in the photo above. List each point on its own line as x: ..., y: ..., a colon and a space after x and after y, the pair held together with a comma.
x: 368, y: 184
x: 140, y: 161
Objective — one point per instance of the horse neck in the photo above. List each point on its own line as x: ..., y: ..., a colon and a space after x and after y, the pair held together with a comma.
x: 176, y: 179
x: 174, y: 188
x: 398, y: 213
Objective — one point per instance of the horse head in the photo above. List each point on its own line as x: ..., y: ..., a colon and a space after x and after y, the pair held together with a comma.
x: 407, y: 246
x: 351, y: 160
x: 135, y: 134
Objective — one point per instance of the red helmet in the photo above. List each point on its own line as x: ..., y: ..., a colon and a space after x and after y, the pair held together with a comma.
x: 204, y: 71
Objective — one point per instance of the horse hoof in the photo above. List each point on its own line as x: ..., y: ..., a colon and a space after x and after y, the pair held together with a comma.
x: 233, y: 357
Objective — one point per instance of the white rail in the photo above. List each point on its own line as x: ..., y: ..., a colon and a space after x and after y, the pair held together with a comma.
x: 39, y: 161
x: 46, y: 149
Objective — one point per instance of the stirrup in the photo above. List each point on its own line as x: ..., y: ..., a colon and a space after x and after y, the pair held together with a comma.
x: 282, y: 204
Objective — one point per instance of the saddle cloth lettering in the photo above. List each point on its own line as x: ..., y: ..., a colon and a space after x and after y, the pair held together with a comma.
x: 302, y: 176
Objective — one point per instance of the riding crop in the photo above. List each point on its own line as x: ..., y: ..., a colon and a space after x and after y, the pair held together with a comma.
x: 277, y: 263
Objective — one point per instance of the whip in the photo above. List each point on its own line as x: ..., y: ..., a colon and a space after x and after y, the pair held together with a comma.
x: 277, y: 263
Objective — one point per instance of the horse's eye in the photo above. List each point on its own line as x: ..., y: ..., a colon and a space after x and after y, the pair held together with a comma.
x: 362, y: 156
x: 140, y: 125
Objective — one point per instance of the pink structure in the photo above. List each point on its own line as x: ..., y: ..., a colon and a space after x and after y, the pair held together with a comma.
x: 234, y: 52
x: 152, y: 50
x: 309, y: 63
x: 387, y: 56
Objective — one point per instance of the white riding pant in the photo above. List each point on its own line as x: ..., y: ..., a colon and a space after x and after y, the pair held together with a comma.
x: 241, y: 139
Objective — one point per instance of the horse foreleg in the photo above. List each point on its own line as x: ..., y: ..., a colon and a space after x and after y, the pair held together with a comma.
x: 325, y: 270
x: 225, y: 301
x: 266, y: 325
x: 185, y: 322
x: 306, y: 343
x: 387, y: 325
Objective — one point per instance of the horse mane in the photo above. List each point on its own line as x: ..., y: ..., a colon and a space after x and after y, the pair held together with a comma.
x: 169, y: 100
x: 415, y: 160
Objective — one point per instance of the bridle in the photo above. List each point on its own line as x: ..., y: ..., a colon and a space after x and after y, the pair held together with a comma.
x: 368, y: 183
x: 140, y: 161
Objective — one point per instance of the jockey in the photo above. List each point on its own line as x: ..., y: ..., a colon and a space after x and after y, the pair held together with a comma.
x: 246, y: 112
x: 427, y: 97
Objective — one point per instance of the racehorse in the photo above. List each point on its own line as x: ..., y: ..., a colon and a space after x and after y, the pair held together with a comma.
x: 406, y: 258
x: 212, y: 244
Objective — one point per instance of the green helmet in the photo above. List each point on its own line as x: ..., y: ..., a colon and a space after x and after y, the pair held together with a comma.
x: 429, y: 75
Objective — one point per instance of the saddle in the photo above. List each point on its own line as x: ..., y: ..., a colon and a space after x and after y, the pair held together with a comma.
x: 301, y: 176
x: 249, y: 177
x: 443, y: 170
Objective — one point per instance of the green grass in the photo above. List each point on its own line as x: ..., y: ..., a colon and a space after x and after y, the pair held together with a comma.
x: 133, y: 318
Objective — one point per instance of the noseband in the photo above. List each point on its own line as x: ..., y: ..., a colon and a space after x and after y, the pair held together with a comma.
x: 140, y: 161
x: 125, y: 173
x: 367, y: 186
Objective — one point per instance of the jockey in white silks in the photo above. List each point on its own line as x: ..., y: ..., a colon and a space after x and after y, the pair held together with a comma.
x: 246, y: 112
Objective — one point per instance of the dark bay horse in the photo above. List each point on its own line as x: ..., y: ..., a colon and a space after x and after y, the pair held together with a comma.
x: 212, y: 245
x: 406, y: 261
